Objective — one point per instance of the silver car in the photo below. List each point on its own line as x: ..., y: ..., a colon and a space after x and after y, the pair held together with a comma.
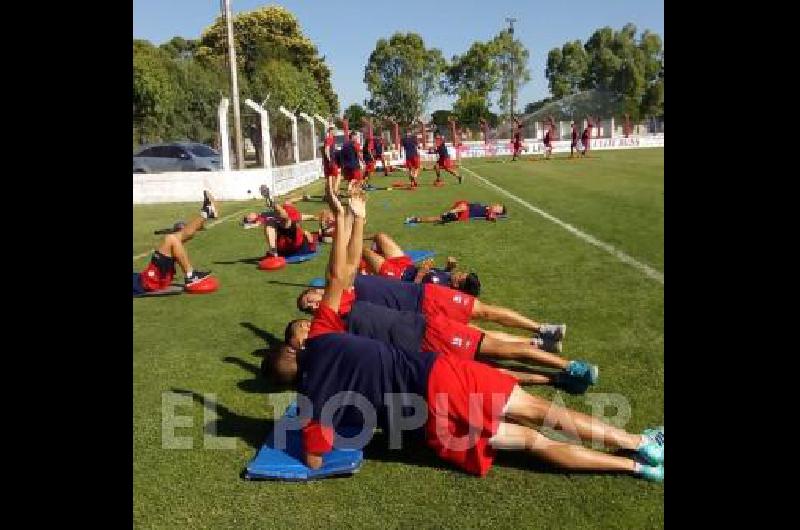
x: 176, y: 156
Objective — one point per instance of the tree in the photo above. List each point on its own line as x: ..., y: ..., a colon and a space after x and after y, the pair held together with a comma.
x: 267, y: 34
x: 567, y: 68
x: 470, y: 108
x: 440, y: 119
x: 533, y: 106
x: 512, y: 57
x: 354, y: 113
x: 476, y: 71
x: 402, y: 75
x: 154, y: 91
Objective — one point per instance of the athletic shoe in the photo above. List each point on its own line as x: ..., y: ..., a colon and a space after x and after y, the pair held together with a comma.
x: 656, y: 434
x: 583, y: 371
x: 553, y: 331
x: 209, y: 208
x: 651, y: 473
x: 410, y: 221
x: 547, y: 345
x: 265, y: 192
x: 651, y: 451
x: 196, y: 277
x: 571, y: 385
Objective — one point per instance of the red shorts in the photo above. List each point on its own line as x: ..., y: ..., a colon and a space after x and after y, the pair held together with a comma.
x: 370, y: 166
x: 447, y: 302
x: 352, y: 174
x: 155, y: 278
x: 447, y: 164
x: 449, y: 337
x: 331, y: 170
x: 394, y: 267
x: 465, y: 405
x: 412, y: 163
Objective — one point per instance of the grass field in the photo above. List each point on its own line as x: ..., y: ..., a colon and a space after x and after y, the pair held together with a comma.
x: 210, y: 345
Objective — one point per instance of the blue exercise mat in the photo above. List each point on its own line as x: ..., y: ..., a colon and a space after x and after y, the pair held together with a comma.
x: 415, y: 255
x: 277, y: 464
x: 299, y: 258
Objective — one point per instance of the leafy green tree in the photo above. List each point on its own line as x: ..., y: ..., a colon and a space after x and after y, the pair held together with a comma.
x: 476, y: 71
x: 512, y: 57
x: 567, y: 68
x: 354, y: 113
x: 402, y: 76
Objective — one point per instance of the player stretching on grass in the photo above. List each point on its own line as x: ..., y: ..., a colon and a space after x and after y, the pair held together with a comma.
x: 412, y: 157
x: 472, y: 409
x: 463, y: 211
x: 284, y: 235
x: 160, y: 271
x: 389, y: 260
x: 444, y: 161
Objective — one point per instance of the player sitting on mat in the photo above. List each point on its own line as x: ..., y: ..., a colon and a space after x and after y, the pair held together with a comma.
x: 444, y: 161
x: 284, y: 235
x: 472, y: 409
x: 160, y: 271
x: 389, y: 260
x: 431, y: 300
x: 463, y: 211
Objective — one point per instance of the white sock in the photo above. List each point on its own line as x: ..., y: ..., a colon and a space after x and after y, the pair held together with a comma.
x: 189, y: 273
x: 637, y: 468
x: 204, y: 214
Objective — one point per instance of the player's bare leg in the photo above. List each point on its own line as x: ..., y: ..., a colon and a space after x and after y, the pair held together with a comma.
x: 499, y: 349
x: 514, y: 437
x: 387, y: 246
x: 526, y: 408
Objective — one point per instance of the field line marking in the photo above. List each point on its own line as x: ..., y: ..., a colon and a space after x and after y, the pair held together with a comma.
x: 648, y: 271
x: 208, y: 227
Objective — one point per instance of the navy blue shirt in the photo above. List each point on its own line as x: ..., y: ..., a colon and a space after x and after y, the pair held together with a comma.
x: 340, y: 362
x: 476, y: 209
x: 365, y: 152
x: 401, y: 329
x: 442, y: 151
x: 437, y: 276
x: 349, y: 156
x: 410, y: 146
x: 389, y: 293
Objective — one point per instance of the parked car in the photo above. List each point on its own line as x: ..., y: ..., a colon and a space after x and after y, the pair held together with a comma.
x: 176, y: 156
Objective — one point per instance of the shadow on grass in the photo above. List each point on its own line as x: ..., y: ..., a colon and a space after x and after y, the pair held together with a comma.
x: 252, y: 431
x: 257, y: 384
x: 271, y: 339
x: 247, y: 261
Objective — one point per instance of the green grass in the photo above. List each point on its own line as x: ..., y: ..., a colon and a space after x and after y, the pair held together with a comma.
x: 210, y: 345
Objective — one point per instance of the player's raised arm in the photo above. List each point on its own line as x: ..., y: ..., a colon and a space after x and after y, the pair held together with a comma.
x: 337, y: 273
x: 358, y: 206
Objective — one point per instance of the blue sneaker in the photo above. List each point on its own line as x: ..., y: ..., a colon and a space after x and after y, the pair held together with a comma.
x: 651, y: 473
x: 554, y: 332
x: 651, y: 452
x: 656, y: 434
x: 569, y: 384
x: 583, y: 371
x: 410, y: 221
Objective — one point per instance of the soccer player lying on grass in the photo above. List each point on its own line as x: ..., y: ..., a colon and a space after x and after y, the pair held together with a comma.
x: 354, y: 370
x: 463, y: 211
x: 161, y: 270
x: 431, y: 300
x: 444, y: 161
x: 390, y: 261
x: 284, y: 235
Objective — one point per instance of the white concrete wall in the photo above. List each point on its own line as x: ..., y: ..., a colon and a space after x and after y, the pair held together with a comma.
x: 188, y: 186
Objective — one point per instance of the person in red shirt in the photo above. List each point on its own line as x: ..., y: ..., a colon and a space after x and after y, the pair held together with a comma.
x: 329, y: 165
x: 517, y: 140
x: 160, y: 272
x: 472, y: 409
x: 444, y: 161
x: 284, y: 235
x: 463, y: 211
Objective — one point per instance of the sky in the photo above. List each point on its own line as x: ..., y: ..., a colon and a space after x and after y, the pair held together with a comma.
x: 450, y: 25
